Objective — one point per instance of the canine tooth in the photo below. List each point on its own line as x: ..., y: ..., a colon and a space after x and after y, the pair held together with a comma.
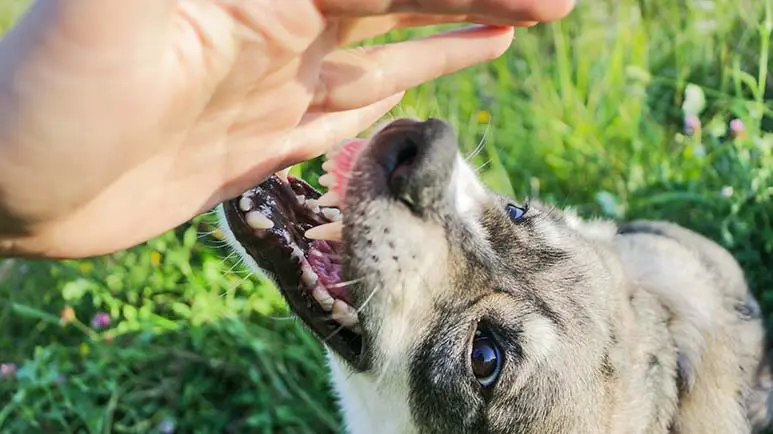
x: 327, y: 232
x: 327, y: 180
x: 301, y: 198
x: 323, y: 298
x: 344, y: 314
x: 328, y: 199
x: 308, y: 275
x: 332, y: 214
x: 245, y: 203
x: 257, y: 220
x: 282, y: 174
x: 328, y: 165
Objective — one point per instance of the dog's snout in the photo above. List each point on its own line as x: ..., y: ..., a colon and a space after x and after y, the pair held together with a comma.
x: 417, y: 158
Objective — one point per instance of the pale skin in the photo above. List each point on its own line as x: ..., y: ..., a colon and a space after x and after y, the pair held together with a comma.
x: 120, y: 120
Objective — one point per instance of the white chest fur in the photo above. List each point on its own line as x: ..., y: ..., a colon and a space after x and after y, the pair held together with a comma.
x: 371, y: 405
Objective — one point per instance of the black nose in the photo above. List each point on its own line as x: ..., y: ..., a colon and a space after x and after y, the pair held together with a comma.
x: 418, y: 159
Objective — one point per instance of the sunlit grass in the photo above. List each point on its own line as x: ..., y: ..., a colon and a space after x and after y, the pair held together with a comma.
x: 587, y: 112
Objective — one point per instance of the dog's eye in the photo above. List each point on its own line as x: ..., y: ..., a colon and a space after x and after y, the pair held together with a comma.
x: 485, y: 359
x: 516, y: 212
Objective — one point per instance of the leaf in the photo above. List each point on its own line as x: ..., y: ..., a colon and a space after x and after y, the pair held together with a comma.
x: 31, y: 312
x: 130, y: 313
x: 75, y: 289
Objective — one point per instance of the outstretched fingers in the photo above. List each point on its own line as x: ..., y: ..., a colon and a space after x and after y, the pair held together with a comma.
x: 354, y: 30
x: 318, y: 132
x: 511, y: 10
x: 360, y: 76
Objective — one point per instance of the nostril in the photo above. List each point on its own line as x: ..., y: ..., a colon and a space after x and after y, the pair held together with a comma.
x: 403, y: 164
x: 405, y: 158
x: 412, y: 162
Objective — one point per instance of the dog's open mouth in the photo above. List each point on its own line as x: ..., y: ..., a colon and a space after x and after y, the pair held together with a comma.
x: 293, y: 232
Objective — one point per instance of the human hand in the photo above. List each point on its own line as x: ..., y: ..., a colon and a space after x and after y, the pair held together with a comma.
x: 120, y: 120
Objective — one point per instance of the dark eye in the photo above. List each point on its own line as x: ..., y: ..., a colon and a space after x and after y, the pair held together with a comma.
x: 516, y: 212
x: 485, y: 359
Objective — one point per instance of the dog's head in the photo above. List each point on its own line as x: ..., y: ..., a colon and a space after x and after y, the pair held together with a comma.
x: 447, y: 308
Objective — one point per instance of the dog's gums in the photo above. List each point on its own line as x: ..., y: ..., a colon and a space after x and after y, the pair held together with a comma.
x: 294, y: 233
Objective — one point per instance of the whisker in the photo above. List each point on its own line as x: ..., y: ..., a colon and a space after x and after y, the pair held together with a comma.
x: 336, y: 331
x: 234, y: 285
x: 346, y: 283
x: 238, y: 263
x: 282, y: 318
x: 204, y: 234
x: 481, y: 144
x: 482, y: 166
x: 369, y: 298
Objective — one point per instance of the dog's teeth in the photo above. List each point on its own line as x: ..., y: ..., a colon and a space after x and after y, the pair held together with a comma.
x: 297, y: 254
x: 344, y: 314
x: 257, y: 220
x: 332, y: 214
x: 283, y: 174
x: 328, y: 199
x: 313, y: 205
x: 323, y: 298
x: 327, y: 180
x: 301, y: 198
x: 308, y: 276
x: 328, y: 165
x: 327, y: 232
x: 245, y: 203
x: 329, y: 155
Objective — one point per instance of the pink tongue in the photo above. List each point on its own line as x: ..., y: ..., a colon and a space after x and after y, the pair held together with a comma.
x: 343, y: 161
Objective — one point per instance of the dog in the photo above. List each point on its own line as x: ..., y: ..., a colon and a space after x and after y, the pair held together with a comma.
x: 447, y: 308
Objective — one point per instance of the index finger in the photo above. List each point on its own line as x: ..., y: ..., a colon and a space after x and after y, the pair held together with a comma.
x: 513, y: 11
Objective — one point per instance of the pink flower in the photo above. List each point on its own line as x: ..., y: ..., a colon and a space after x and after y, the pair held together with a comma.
x: 101, y: 320
x: 737, y: 128
x: 692, y: 125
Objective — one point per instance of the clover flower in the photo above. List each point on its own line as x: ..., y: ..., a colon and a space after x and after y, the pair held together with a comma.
x: 7, y: 371
x: 737, y: 128
x: 692, y: 125
x: 101, y: 320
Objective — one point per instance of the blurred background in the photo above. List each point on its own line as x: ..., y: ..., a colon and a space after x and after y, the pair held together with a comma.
x: 626, y: 109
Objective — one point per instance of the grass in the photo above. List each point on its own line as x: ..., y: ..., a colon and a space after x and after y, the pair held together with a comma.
x: 587, y: 112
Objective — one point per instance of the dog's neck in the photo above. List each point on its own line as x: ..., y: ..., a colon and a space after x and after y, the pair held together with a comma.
x: 368, y: 407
